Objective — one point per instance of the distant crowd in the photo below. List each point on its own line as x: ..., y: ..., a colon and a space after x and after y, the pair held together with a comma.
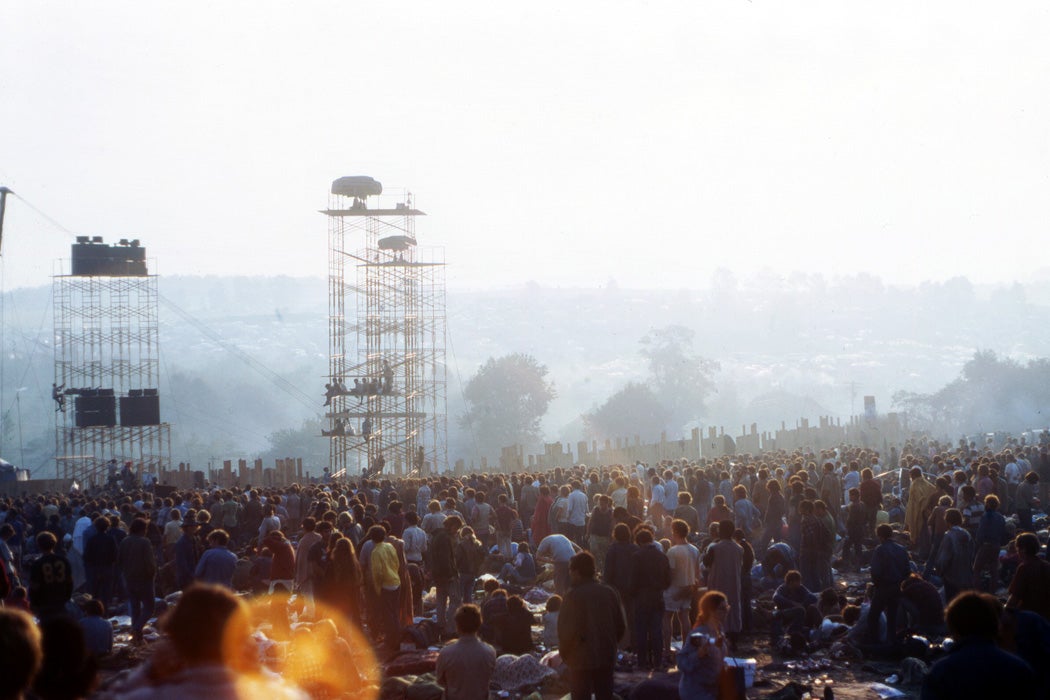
x: 662, y: 562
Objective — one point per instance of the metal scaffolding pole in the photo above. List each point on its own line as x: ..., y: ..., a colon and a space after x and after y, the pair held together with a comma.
x: 107, y: 355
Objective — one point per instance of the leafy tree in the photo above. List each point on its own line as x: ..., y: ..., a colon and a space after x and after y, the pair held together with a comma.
x: 991, y: 393
x: 680, y: 378
x: 633, y: 410
x: 506, y: 399
x: 299, y: 442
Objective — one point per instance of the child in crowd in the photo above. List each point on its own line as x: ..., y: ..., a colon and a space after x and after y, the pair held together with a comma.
x: 550, y: 621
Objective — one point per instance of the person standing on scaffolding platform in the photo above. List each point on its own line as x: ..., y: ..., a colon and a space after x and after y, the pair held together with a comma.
x: 388, y: 378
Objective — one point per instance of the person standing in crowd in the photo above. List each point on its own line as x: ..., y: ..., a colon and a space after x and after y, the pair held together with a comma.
x: 745, y: 513
x: 619, y: 564
x: 991, y: 535
x: 829, y: 489
x: 589, y: 631
x: 1030, y: 587
x: 470, y: 557
x: 386, y: 583
x: 919, y: 492
x: 100, y: 554
x: 415, y: 549
x: 50, y: 579
x: 186, y: 554
x: 530, y: 496
x: 955, y: 555
x: 302, y: 561
x: 810, y: 546
x: 576, y: 515
x: 704, y: 650
x: 599, y: 530
x: 670, y: 500
x: 465, y: 667
x: 217, y: 564
x: 724, y: 561
x: 890, y: 567
x: 871, y: 496
x: 684, y: 562
x: 1025, y: 500
x: 650, y: 577
x: 138, y: 564
x: 505, y: 517
x: 685, y: 511
x: 445, y: 572
x: 776, y: 511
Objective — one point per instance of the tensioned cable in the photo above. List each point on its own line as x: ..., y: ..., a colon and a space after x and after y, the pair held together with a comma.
x: 276, y: 379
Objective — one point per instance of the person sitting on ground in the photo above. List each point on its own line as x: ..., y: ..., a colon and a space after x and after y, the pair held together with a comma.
x: 829, y: 604
x: 976, y: 667
x: 550, y: 621
x: 522, y: 570
x: 98, y: 632
x: 493, y: 615
x: 516, y: 628
x: 464, y: 668
x: 796, y: 606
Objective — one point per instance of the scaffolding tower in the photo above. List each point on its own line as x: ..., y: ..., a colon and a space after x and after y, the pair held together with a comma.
x: 107, y: 356
x: 387, y: 387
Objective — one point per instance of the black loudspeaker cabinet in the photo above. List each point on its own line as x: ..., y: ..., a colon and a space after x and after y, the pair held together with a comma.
x: 96, y: 411
x: 139, y: 410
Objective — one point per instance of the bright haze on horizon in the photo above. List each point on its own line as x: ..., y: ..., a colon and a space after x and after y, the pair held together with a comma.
x: 565, y: 143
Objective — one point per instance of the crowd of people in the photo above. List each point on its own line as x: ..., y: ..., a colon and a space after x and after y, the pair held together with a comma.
x: 657, y: 563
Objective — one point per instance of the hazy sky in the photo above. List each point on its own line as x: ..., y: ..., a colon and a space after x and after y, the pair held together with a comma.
x: 566, y: 143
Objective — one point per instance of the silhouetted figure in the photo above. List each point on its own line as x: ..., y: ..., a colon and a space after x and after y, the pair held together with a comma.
x: 388, y: 378
x: 58, y: 394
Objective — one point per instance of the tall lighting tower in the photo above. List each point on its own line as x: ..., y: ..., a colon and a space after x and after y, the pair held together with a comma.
x: 107, y: 356
x: 386, y: 393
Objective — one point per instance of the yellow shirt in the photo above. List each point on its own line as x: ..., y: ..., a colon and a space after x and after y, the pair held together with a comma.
x: 384, y: 565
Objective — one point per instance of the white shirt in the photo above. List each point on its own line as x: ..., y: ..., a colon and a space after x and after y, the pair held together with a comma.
x: 684, y: 560
x: 78, y: 532
x: 415, y: 543
x: 577, y: 508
